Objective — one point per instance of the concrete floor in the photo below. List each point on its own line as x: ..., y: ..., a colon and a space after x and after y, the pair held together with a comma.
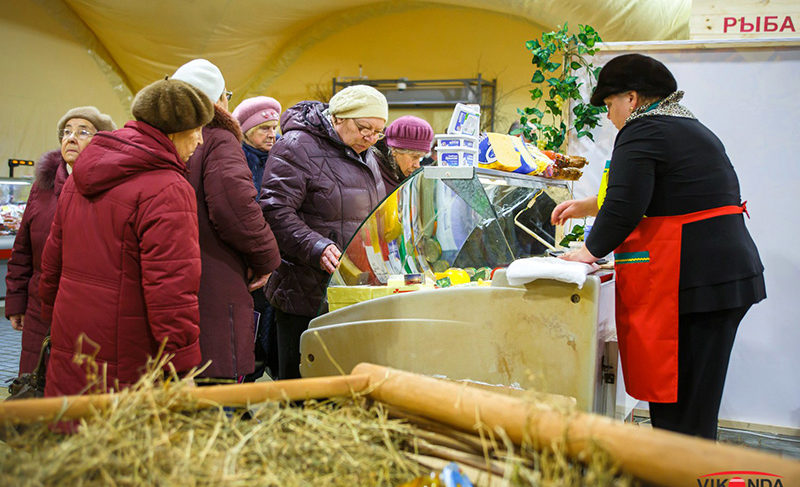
x: 9, y: 353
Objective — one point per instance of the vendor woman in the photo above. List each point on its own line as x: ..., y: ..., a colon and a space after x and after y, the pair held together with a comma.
x: 687, y: 269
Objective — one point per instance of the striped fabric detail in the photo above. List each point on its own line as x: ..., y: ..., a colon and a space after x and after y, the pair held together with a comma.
x: 631, y: 257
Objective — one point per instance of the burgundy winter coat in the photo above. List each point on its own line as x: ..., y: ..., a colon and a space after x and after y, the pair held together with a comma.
x: 25, y: 264
x: 233, y: 237
x: 123, y: 255
x: 316, y: 191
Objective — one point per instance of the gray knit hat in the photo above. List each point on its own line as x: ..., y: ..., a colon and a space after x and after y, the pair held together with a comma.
x: 172, y: 106
x: 101, y: 121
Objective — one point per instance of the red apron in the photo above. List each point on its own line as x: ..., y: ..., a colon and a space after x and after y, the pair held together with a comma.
x: 647, y: 266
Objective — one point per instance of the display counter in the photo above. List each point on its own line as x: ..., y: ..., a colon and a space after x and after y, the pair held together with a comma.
x: 13, y: 196
x: 421, y: 287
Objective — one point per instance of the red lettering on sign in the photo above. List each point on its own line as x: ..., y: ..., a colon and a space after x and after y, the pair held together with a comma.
x: 787, y: 24
x: 770, y: 26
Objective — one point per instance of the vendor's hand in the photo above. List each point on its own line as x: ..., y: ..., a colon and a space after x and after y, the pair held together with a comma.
x: 574, y: 209
x: 330, y: 259
x: 581, y: 255
x: 17, y: 321
x: 257, y: 282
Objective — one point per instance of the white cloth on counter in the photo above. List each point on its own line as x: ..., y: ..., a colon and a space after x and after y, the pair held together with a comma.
x: 523, y: 271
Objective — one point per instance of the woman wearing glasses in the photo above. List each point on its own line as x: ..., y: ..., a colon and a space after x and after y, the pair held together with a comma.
x: 23, y: 305
x: 319, y: 184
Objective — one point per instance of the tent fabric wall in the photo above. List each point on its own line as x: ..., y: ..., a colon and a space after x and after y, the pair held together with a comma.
x: 416, y: 44
x: 63, y: 53
x: 45, y: 72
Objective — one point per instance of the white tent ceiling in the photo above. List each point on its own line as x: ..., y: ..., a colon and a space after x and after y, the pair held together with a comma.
x: 254, y: 40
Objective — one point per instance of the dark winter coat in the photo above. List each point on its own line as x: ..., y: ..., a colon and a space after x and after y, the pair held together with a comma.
x: 663, y: 166
x: 233, y: 238
x: 25, y: 264
x: 316, y: 191
x: 124, y: 257
x: 256, y: 160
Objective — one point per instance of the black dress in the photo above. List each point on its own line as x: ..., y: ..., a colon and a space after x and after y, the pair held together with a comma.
x: 662, y: 166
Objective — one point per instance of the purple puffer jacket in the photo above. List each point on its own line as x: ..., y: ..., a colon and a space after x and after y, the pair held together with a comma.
x: 316, y: 191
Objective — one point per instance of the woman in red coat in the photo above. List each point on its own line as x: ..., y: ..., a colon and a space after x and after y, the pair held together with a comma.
x: 23, y: 306
x: 237, y: 247
x: 121, y: 266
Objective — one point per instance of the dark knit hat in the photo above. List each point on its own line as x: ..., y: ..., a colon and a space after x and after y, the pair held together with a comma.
x: 633, y: 72
x: 172, y: 106
x: 409, y: 132
x: 101, y: 121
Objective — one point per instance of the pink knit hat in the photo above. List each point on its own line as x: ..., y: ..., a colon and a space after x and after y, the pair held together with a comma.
x: 411, y: 133
x: 257, y: 110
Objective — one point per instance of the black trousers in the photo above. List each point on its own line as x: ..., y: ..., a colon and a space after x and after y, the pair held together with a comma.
x: 266, y: 344
x: 289, y: 328
x: 705, y: 341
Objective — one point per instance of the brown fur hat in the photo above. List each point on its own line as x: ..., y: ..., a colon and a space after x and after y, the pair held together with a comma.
x: 172, y: 106
x: 101, y: 121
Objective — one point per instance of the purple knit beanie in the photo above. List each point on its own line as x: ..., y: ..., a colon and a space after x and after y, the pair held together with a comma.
x: 411, y: 133
x: 257, y: 110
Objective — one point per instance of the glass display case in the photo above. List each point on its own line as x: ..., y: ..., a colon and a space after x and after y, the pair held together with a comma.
x: 448, y: 225
x: 421, y: 287
x: 13, y: 196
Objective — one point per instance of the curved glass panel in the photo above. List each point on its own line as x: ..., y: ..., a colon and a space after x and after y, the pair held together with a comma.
x: 444, y: 219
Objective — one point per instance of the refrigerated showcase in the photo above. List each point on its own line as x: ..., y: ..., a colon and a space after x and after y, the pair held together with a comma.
x: 421, y: 287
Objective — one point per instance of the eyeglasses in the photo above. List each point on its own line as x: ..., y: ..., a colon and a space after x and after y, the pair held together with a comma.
x: 228, y: 95
x: 81, y: 134
x: 368, y: 132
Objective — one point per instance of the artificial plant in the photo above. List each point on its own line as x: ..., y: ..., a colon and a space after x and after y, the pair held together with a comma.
x: 559, y: 55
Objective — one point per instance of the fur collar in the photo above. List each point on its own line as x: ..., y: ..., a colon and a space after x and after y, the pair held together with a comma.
x: 223, y: 119
x: 47, y: 168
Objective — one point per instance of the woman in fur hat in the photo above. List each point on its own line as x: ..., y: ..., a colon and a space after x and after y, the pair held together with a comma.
x: 123, y: 253
x: 686, y: 274
x: 23, y: 306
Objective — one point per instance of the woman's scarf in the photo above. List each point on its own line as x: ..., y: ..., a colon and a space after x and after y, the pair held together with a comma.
x: 668, y: 106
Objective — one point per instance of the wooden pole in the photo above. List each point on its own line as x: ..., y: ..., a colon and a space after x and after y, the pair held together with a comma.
x: 655, y: 456
x: 74, y: 407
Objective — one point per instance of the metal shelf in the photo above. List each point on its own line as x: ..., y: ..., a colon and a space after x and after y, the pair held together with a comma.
x: 432, y: 93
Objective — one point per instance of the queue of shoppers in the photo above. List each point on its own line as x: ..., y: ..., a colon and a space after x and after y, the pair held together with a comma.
x: 210, y: 236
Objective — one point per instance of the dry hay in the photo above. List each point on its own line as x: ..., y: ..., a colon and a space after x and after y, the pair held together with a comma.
x: 153, y: 435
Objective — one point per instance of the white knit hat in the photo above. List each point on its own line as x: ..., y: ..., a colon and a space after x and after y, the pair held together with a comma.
x: 359, y: 101
x: 204, y: 76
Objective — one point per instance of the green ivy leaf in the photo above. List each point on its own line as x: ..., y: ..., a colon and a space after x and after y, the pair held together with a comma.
x: 536, y: 93
x: 538, y: 77
x: 575, y: 65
